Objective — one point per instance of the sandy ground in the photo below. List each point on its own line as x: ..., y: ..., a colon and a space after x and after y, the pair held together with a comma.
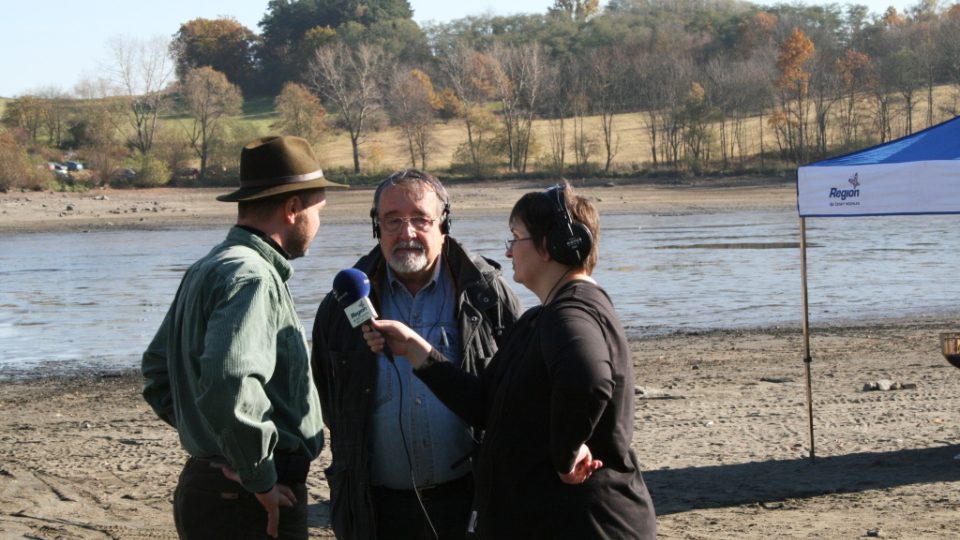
x: 721, y: 419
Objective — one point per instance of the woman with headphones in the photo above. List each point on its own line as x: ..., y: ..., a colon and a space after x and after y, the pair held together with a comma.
x: 556, y: 402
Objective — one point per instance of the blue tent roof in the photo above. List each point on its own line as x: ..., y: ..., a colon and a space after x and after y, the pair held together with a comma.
x: 936, y: 143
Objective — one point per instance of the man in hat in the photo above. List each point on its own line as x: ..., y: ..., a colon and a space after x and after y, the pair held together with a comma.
x: 229, y: 367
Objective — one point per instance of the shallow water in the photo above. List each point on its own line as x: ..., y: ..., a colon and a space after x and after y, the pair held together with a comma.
x: 78, y: 301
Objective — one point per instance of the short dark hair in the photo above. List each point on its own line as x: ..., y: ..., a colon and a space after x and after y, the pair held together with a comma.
x: 268, y: 205
x: 536, y: 210
x: 414, y: 180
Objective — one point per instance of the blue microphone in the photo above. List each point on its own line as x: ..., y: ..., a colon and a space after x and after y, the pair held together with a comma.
x: 351, y: 288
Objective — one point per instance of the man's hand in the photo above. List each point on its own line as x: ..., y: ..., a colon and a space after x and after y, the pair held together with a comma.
x: 279, y: 495
x: 583, y: 468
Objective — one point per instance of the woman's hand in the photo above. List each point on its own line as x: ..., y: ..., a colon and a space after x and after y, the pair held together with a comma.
x: 583, y: 467
x: 399, y: 338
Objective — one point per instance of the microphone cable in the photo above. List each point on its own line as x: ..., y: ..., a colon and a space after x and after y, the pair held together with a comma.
x: 406, y: 449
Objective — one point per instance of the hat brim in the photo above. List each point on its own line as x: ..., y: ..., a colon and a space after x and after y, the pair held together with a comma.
x: 250, y: 194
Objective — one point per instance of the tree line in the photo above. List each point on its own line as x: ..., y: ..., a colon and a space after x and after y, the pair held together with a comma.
x: 712, y: 84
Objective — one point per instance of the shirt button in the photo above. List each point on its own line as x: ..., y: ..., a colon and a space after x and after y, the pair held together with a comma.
x: 419, y: 400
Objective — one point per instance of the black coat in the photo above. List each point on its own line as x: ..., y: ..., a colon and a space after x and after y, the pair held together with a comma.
x: 345, y: 372
x: 563, y: 377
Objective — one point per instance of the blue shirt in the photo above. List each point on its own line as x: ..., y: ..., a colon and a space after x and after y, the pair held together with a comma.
x: 436, y: 438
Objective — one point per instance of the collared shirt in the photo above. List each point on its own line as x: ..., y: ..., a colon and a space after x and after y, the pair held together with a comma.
x: 229, y: 367
x: 435, y: 437
x: 266, y: 238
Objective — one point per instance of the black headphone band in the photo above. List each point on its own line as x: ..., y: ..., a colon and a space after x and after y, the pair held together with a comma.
x: 568, y: 242
x: 560, y: 207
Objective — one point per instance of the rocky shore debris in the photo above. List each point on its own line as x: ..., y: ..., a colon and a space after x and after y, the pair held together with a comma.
x: 643, y: 392
x: 884, y: 385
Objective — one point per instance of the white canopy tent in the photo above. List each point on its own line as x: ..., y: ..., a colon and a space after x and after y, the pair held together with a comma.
x: 917, y: 174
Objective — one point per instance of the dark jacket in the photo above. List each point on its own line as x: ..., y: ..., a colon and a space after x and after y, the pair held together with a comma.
x: 564, y: 376
x: 345, y: 371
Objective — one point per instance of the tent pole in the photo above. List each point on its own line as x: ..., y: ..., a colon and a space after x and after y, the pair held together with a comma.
x: 806, y: 329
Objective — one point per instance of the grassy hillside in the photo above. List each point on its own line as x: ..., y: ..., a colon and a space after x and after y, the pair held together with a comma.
x: 386, y: 150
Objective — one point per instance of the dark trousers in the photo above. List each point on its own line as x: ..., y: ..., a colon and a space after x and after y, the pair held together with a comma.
x: 207, y: 505
x: 400, y: 517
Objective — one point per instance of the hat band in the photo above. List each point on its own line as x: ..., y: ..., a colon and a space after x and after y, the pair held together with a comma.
x: 283, y: 180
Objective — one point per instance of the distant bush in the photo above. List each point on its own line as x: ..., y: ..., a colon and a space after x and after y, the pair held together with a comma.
x: 16, y: 169
x: 150, y: 172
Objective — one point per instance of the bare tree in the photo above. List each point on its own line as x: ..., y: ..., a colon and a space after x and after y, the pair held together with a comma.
x: 558, y: 85
x: 523, y: 70
x: 27, y: 113
x: 141, y: 72
x: 470, y: 75
x: 210, y: 97
x: 925, y: 41
x: 608, y: 84
x: 56, y: 113
x: 661, y: 80
x: 349, y: 79
x: 95, y: 131
x: 826, y: 89
x: 951, y: 54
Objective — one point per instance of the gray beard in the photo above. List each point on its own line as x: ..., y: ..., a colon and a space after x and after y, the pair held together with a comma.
x: 408, y: 263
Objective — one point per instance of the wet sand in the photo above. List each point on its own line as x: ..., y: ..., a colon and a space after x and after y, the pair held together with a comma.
x: 721, y: 419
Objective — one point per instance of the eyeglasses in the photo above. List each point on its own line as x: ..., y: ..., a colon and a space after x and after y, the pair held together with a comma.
x: 511, y: 242
x: 393, y: 224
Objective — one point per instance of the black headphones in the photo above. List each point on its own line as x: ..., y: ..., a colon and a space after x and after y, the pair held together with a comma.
x: 568, y: 242
x: 444, y: 220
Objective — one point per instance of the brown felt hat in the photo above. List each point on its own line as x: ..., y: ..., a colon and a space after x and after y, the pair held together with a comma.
x: 274, y: 165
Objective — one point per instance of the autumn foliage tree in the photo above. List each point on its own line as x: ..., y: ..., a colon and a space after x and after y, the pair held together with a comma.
x: 210, y: 97
x: 855, y: 71
x: 16, y: 170
x: 222, y: 44
x: 794, y: 85
x: 301, y: 113
x: 413, y: 104
x: 576, y: 10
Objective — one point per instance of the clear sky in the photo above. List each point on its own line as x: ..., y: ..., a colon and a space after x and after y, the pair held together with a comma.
x: 57, y: 43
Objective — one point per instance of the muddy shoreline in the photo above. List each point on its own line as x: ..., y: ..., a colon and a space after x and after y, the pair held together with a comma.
x: 722, y: 425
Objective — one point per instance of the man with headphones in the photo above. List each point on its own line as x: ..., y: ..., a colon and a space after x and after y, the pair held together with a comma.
x: 556, y: 402
x: 401, y: 460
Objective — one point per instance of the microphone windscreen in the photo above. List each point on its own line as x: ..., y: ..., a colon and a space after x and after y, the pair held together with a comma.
x: 351, y: 288
x: 350, y: 285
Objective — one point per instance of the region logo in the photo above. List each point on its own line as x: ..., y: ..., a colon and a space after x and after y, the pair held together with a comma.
x: 846, y: 193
